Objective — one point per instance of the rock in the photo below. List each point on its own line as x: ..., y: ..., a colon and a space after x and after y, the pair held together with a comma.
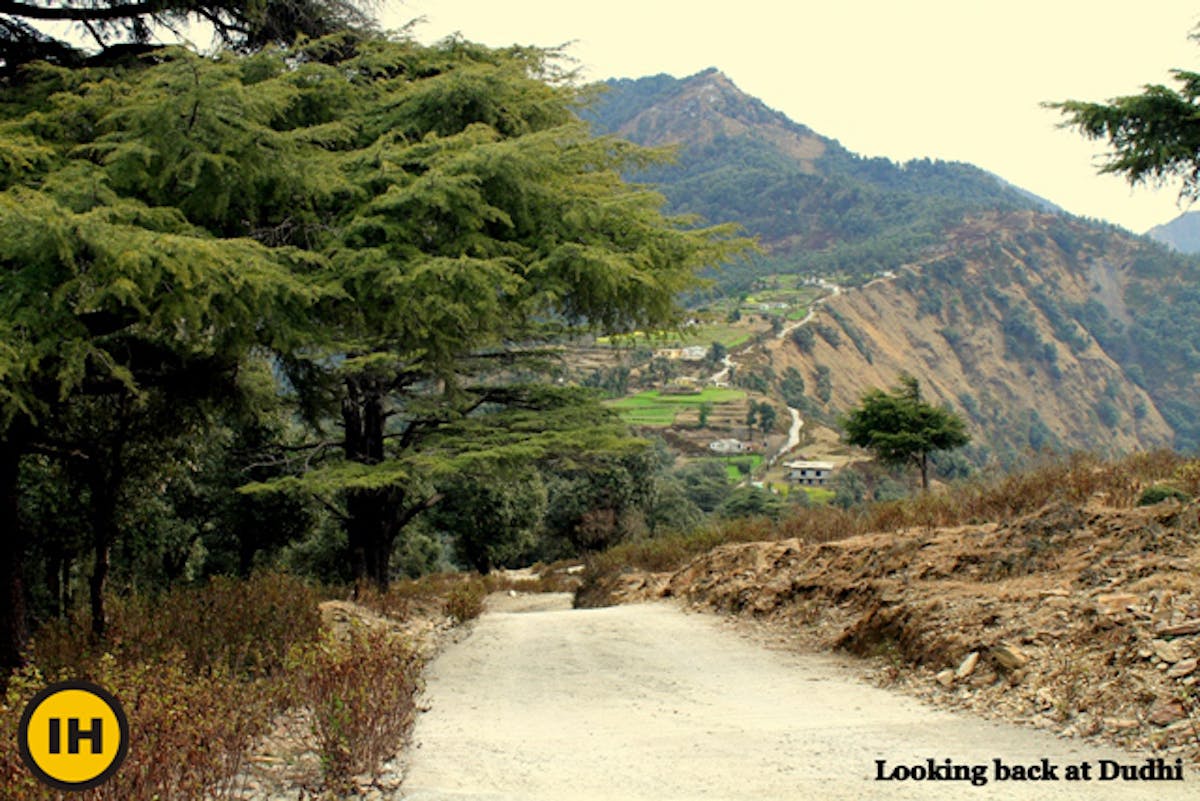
x: 1009, y: 657
x: 967, y: 666
x: 983, y: 678
x: 1167, y: 712
x: 1116, y: 602
x: 946, y: 677
x: 1166, y: 651
x: 1120, y: 724
x: 1180, y: 629
x: 1182, y: 668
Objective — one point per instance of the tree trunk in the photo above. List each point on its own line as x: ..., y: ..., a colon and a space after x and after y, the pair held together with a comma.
x: 103, y: 511
x: 923, y: 463
x: 371, y: 527
x: 14, y: 631
x: 104, y: 478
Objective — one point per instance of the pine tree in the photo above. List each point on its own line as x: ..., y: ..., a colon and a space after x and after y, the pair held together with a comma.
x: 900, y: 428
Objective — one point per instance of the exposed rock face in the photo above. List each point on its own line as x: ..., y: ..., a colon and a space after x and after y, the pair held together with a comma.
x: 987, y: 327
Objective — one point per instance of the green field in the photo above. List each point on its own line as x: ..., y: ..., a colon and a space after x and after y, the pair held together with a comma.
x: 731, y: 470
x: 819, y: 494
x: 653, y: 408
x: 731, y: 335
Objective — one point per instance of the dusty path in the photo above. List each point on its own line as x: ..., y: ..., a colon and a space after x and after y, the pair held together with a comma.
x: 648, y: 702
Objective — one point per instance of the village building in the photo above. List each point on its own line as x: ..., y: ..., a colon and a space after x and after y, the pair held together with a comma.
x: 728, y: 446
x: 692, y: 353
x: 809, y: 474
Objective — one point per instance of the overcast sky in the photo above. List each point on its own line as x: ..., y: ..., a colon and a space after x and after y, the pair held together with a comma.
x: 949, y: 79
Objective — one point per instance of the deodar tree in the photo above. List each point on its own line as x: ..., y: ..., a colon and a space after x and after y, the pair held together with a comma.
x: 900, y: 428
x: 1154, y: 136
x: 403, y: 231
x: 488, y: 223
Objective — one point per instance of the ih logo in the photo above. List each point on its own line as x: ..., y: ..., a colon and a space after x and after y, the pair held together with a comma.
x: 73, y: 735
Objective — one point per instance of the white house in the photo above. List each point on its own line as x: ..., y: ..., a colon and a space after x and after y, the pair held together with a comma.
x: 811, y: 474
x: 727, y: 446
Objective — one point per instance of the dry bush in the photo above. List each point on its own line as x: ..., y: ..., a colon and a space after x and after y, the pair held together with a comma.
x: 189, y: 734
x: 361, y: 693
x: 1077, y: 479
x: 243, y: 626
x: 1187, y: 477
x: 199, y: 672
x: 464, y: 601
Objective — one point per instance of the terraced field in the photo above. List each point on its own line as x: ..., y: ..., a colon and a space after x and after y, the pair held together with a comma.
x: 655, y: 408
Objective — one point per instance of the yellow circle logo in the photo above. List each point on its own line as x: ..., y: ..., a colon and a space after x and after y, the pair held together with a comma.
x: 73, y: 735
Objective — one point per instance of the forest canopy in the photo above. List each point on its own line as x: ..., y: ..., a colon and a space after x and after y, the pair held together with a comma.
x: 341, y: 259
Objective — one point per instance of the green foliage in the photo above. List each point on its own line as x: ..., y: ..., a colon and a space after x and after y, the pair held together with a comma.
x: 900, y: 428
x: 824, y: 389
x: 596, y: 504
x: 491, y: 521
x: 705, y: 483
x: 751, y: 502
x: 1157, y: 493
x: 1150, y: 135
x: 123, y: 30
x: 791, y: 386
x: 804, y: 337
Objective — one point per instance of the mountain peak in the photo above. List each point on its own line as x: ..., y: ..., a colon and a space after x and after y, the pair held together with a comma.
x: 703, y: 107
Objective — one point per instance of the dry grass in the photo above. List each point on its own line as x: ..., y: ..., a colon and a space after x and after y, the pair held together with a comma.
x: 991, y: 498
x: 200, y: 673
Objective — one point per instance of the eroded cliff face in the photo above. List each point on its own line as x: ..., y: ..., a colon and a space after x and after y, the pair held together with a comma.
x: 1004, y: 324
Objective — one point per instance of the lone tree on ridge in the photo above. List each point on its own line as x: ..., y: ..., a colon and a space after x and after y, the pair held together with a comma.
x: 900, y: 428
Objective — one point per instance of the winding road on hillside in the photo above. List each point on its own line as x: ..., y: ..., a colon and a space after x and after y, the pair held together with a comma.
x: 544, y: 703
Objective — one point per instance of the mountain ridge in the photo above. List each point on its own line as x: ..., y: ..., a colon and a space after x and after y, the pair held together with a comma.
x: 1181, y: 234
x: 1057, y: 331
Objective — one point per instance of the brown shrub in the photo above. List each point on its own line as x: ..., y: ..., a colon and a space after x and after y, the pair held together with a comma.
x: 189, y: 734
x: 988, y: 498
x: 361, y: 693
x: 464, y: 601
x: 242, y: 626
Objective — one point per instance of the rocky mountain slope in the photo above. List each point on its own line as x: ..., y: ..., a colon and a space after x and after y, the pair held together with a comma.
x: 991, y: 325
x: 1181, y: 233
x: 1044, y: 330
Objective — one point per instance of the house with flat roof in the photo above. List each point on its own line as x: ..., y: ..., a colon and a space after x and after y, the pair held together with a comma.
x: 809, y: 474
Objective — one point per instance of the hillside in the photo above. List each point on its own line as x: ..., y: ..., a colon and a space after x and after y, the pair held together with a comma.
x: 1044, y: 330
x: 1039, y: 330
x: 1181, y: 234
x: 812, y: 203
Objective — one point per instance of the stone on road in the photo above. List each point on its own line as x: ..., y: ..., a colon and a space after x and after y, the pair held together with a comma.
x: 649, y: 702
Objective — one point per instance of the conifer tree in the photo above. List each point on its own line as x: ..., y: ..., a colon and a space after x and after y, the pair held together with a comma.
x: 900, y: 428
x: 404, y: 228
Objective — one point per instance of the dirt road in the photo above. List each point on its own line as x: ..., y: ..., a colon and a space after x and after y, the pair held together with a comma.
x: 648, y: 702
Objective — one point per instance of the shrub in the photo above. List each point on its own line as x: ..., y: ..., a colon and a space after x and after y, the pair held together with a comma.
x: 361, y: 692
x: 465, y: 601
x: 1159, y: 493
x: 189, y: 734
x: 243, y: 626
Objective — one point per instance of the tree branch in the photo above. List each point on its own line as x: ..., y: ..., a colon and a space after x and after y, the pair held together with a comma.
x: 336, y: 512
x: 19, y: 9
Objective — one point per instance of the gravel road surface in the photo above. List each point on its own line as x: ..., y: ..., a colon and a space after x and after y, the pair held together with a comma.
x: 541, y: 702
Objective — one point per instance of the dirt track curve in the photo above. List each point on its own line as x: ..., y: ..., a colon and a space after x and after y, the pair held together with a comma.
x: 542, y: 703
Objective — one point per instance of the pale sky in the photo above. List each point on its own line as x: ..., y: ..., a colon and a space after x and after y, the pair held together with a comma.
x: 952, y: 79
